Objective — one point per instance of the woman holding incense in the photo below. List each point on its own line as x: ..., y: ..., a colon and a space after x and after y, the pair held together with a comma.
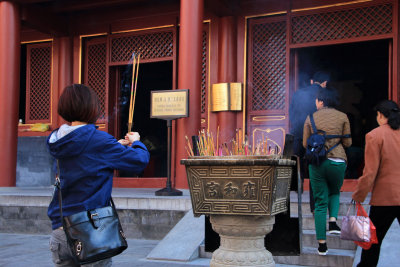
x: 327, y: 178
x: 381, y: 175
x: 87, y: 159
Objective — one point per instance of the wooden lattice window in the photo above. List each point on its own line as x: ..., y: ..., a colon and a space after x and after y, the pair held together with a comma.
x: 96, y: 59
x: 342, y: 24
x: 150, y: 45
x: 204, y: 63
x: 268, y: 69
x: 38, y: 85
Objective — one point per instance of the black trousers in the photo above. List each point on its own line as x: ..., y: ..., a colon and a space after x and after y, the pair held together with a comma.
x: 382, y: 217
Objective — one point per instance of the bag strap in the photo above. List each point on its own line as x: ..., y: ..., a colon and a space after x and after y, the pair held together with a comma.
x: 313, y: 123
x: 352, y: 205
x: 336, y: 136
x: 57, y: 184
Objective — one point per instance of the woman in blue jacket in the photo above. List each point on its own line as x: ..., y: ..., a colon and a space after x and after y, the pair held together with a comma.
x: 87, y: 159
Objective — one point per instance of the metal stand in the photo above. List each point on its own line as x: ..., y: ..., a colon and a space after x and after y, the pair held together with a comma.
x: 168, y: 190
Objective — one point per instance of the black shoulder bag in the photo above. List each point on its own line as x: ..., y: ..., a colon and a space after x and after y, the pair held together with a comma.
x: 92, y: 235
x: 315, y: 150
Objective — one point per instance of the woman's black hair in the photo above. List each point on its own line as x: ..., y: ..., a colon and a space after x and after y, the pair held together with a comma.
x: 321, y: 76
x: 391, y: 111
x: 328, y: 96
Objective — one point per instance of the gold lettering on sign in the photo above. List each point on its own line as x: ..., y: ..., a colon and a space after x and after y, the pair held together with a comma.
x: 235, y: 96
x: 226, y: 96
x: 212, y: 189
x: 249, y: 190
x: 220, y: 97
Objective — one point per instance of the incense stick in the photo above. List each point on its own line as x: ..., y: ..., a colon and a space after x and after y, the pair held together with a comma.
x: 130, y: 119
x: 135, y: 74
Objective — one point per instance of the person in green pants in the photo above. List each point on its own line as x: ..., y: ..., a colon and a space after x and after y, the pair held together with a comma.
x: 327, y: 178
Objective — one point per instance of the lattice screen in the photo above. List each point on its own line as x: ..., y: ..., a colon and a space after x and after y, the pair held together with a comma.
x: 151, y: 45
x: 342, y: 24
x: 269, y: 66
x: 39, y: 83
x: 96, y: 73
x: 204, y: 61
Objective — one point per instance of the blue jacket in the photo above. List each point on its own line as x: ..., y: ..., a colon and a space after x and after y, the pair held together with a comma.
x: 87, y: 159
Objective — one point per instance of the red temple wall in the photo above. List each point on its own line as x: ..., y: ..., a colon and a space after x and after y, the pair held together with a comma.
x: 114, y: 23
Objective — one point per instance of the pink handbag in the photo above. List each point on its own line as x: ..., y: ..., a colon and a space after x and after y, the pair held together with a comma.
x: 355, y: 228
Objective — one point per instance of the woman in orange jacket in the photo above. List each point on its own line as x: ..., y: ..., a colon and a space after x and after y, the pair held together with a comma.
x: 381, y: 175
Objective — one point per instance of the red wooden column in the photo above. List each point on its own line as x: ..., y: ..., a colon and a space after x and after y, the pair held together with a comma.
x: 65, y: 69
x: 65, y: 62
x: 9, y: 90
x: 227, y: 67
x: 189, y: 77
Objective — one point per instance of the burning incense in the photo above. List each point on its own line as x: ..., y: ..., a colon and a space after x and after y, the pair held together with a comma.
x: 189, y: 147
x: 239, y: 145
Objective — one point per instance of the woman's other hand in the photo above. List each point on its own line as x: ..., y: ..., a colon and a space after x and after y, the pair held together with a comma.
x: 132, y: 137
x: 357, y: 198
x: 123, y: 142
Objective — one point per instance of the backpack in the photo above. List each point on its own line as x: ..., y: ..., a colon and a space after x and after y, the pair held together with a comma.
x: 315, y: 150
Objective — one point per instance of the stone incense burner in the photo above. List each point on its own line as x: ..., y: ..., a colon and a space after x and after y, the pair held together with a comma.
x: 241, y: 194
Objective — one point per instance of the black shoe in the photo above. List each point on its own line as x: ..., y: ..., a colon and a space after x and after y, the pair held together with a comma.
x: 334, y: 228
x: 322, y: 249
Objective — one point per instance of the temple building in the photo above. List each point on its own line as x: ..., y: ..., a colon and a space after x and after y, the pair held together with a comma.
x: 265, y: 49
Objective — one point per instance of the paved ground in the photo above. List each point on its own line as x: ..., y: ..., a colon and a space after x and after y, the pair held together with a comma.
x: 21, y: 250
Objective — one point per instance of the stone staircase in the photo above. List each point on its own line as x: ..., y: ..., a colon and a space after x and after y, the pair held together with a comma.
x: 340, y: 252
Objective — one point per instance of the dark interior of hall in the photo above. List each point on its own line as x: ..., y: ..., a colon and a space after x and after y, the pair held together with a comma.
x: 359, y: 73
x: 22, y: 85
x: 153, y: 132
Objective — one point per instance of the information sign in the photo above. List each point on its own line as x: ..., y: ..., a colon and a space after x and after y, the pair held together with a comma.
x: 169, y: 104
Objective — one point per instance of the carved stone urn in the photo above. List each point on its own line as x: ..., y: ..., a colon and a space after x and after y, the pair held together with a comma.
x: 241, y: 194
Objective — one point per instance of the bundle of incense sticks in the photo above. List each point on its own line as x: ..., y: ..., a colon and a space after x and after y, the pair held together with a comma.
x: 263, y: 148
x: 205, y: 145
x: 135, y: 73
x: 238, y: 146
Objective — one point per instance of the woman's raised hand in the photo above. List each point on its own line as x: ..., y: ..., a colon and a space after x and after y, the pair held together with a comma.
x: 132, y: 137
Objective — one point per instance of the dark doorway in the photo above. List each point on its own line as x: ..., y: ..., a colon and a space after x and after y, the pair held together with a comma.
x: 22, y: 85
x: 153, y: 132
x: 359, y: 72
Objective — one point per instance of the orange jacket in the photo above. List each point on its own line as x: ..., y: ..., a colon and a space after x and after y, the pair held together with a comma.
x: 382, y: 170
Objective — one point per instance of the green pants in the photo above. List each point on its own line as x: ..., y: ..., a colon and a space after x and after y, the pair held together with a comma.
x: 326, y: 181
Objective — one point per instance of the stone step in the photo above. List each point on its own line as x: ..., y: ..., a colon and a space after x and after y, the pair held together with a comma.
x: 334, y: 241
x: 142, y: 214
x: 203, y: 253
x: 310, y: 257
x: 308, y: 222
x: 305, y: 208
